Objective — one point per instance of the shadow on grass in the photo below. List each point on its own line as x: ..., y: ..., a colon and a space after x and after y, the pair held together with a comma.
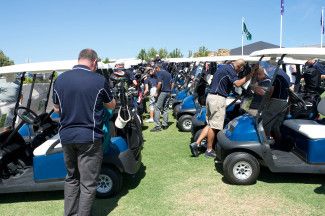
x: 105, y: 206
x: 295, y: 178
x: 31, y: 197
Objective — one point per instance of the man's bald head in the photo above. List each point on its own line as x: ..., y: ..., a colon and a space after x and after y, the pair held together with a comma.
x: 239, y: 65
x: 89, y: 58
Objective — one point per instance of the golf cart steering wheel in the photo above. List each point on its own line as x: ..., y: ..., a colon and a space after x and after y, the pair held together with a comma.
x: 296, y: 99
x: 28, y: 116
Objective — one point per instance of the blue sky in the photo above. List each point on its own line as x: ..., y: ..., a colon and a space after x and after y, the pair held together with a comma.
x: 57, y: 30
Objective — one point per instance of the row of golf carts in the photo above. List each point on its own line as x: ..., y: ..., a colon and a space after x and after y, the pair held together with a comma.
x: 242, y: 147
x: 31, y: 157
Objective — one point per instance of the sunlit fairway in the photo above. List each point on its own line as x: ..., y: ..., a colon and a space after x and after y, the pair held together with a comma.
x: 171, y: 182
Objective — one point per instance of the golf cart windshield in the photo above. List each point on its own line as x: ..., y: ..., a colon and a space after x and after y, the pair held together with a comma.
x: 253, y: 100
x: 35, y: 95
x: 8, y: 96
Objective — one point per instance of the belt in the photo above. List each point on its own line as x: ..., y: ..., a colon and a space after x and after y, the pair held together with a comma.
x: 218, y: 94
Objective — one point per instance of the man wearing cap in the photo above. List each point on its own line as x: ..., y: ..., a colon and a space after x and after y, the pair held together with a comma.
x: 80, y: 96
x: 164, y: 88
x: 223, y: 80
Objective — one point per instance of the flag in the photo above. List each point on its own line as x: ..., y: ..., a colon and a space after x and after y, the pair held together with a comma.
x: 247, y: 33
x: 322, y: 21
x: 282, y: 7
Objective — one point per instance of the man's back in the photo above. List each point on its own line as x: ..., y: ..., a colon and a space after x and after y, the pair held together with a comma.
x: 81, y: 94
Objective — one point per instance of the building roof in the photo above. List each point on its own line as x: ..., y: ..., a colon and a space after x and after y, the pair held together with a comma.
x: 248, y: 49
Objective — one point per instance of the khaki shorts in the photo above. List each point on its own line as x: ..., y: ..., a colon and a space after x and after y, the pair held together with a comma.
x: 216, y: 111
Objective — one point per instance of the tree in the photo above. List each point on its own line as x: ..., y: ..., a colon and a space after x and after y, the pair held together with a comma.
x: 4, y: 60
x: 142, y: 55
x: 152, y: 52
x: 176, y: 53
x: 163, y: 53
x: 106, y: 60
x: 223, y: 52
x: 190, y: 54
x: 203, y: 52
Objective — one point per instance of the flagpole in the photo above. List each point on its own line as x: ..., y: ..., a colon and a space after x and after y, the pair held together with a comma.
x: 321, y: 28
x: 281, y: 18
x: 242, y: 36
x: 281, y: 31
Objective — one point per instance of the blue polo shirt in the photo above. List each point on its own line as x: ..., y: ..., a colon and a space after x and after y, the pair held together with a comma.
x: 80, y: 93
x: 166, y: 80
x: 223, y: 80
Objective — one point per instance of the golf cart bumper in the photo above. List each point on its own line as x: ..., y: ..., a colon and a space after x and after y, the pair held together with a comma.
x: 130, y: 163
x: 126, y: 161
x: 197, y: 125
x: 176, y: 102
x: 176, y: 109
x: 225, y: 146
x: 181, y: 112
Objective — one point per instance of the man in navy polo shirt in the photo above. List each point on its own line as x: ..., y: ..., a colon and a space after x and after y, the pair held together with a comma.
x: 80, y: 95
x: 164, y: 88
x: 223, y: 80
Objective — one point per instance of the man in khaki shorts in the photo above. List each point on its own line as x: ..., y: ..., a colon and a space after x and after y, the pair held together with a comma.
x: 223, y: 81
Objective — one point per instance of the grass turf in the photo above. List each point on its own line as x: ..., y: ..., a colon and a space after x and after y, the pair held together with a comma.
x: 171, y: 182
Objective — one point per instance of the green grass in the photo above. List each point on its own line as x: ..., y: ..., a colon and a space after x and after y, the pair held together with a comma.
x: 171, y: 182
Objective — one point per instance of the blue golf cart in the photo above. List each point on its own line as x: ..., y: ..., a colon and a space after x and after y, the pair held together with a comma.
x: 243, y: 146
x: 31, y: 157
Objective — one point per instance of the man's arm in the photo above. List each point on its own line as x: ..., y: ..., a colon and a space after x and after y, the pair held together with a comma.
x: 322, y: 76
x: 158, y: 88
x: 110, y: 105
x: 146, y: 89
x: 56, y: 108
x: 243, y: 80
x: 109, y: 101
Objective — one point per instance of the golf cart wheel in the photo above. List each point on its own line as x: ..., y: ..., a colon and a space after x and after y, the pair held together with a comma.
x: 109, y: 183
x: 196, y: 137
x: 241, y: 168
x: 185, y: 123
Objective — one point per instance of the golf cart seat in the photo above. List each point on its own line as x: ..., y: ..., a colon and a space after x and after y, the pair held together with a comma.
x: 308, y: 137
x: 309, y: 128
x: 44, y: 148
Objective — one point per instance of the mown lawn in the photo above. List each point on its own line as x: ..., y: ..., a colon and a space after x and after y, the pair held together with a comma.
x: 171, y: 182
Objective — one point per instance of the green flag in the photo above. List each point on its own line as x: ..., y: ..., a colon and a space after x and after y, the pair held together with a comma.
x: 247, y: 33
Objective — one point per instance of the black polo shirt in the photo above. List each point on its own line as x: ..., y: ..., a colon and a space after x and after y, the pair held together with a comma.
x: 166, y: 80
x: 80, y: 93
x: 223, y: 80
x: 281, y: 87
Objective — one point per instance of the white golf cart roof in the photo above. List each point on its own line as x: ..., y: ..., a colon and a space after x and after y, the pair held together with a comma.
x: 44, y: 67
x: 226, y: 58
x: 178, y: 60
x: 302, y: 53
x: 213, y: 59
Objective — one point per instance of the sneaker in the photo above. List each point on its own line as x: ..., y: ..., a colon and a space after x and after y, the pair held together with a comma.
x: 210, y: 153
x: 164, y: 127
x: 194, y: 149
x: 149, y: 120
x: 156, y: 129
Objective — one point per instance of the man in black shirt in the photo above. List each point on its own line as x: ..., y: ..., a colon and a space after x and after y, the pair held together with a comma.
x: 80, y: 95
